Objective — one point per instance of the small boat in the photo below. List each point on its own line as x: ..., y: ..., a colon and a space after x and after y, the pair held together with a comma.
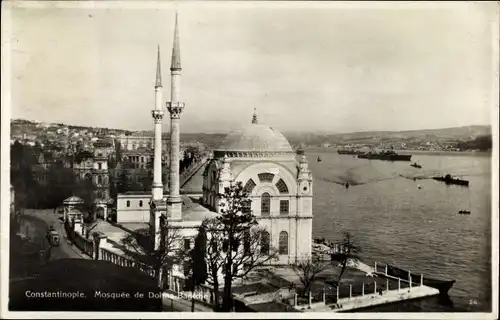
x: 416, y: 165
x: 464, y: 212
x: 449, y: 180
x: 442, y: 285
x: 319, y: 159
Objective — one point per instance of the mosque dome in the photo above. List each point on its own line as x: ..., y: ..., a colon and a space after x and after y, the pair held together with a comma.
x: 255, y: 138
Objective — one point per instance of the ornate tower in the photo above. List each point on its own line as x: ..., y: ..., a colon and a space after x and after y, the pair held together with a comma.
x: 174, y: 106
x: 100, y: 173
x: 157, y: 204
x: 304, y: 208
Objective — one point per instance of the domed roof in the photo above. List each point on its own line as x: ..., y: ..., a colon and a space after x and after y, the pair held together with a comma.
x: 73, y: 199
x: 255, y: 138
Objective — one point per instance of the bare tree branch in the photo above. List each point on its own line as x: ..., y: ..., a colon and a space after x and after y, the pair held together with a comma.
x: 307, y: 271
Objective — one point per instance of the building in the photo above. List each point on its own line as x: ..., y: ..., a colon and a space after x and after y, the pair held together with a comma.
x: 280, y: 187
x: 257, y: 155
x: 100, y: 173
x: 136, y: 140
x: 93, y: 165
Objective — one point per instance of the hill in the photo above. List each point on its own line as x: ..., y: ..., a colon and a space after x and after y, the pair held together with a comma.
x: 213, y: 140
x: 368, y: 137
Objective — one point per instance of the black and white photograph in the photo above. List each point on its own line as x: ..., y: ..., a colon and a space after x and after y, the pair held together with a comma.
x: 226, y: 158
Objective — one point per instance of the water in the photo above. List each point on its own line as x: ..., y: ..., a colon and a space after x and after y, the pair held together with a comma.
x: 417, y: 229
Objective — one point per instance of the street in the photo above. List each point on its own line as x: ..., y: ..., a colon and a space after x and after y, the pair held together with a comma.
x: 65, y: 248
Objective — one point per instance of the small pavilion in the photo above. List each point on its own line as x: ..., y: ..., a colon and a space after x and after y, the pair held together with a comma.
x: 72, y: 208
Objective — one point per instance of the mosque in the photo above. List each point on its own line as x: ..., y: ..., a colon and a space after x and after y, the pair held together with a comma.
x: 279, y: 186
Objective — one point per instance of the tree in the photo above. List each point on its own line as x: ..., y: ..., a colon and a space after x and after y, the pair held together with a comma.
x: 85, y: 189
x: 197, y: 272
x: 214, y: 257
x: 61, y: 185
x: 242, y: 238
x: 349, y: 252
x: 141, y: 249
x: 307, y: 270
x: 122, y: 181
x: 26, y: 187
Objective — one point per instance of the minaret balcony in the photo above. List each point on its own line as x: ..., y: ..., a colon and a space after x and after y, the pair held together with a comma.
x: 157, y: 114
x: 175, y: 108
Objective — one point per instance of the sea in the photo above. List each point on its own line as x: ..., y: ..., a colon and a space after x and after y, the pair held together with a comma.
x: 412, y: 223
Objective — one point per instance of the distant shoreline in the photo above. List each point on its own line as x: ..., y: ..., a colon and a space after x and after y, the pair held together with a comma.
x: 423, y: 152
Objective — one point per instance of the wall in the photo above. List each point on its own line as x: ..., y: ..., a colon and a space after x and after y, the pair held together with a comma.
x: 135, y: 212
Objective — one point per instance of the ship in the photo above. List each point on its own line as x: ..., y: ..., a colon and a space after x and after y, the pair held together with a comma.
x: 299, y: 149
x: 388, y: 155
x: 347, y: 151
x: 416, y: 165
x: 442, y: 285
x: 448, y: 179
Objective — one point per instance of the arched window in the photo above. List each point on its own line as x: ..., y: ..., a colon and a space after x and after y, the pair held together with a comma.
x: 283, y: 243
x: 99, y: 179
x: 281, y: 185
x: 140, y: 203
x: 249, y: 186
x: 264, y: 242
x: 266, y: 177
x: 128, y: 203
x: 265, y: 204
x: 99, y: 165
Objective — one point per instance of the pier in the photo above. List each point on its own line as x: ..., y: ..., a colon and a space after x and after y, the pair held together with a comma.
x: 379, y: 288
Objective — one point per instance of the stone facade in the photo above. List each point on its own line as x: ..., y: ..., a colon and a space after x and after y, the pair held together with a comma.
x: 281, y: 194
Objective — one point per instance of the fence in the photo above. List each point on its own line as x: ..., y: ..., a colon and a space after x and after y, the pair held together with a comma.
x: 108, y: 255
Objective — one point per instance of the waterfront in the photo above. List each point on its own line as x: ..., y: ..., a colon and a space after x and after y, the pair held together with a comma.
x: 418, y: 229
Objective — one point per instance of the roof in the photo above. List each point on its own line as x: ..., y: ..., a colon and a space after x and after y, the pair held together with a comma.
x: 176, y: 52
x: 158, y: 70
x: 194, y: 211
x: 255, y: 138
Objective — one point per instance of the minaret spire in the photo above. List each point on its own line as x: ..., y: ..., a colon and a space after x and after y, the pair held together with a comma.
x: 254, y: 117
x: 176, y: 51
x: 158, y: 71
x: 175, y: 107
x: 158, y: 206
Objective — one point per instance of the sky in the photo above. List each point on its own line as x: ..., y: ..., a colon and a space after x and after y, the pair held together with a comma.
x: 304, y: 67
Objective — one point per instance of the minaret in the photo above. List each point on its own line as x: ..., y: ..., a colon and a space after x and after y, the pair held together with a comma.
x: 158, y: 205
x: 157, y: 113
x: 175, y: 106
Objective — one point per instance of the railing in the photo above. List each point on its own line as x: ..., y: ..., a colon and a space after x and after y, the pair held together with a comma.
x: 108, y: 255
x: 191, y: 170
